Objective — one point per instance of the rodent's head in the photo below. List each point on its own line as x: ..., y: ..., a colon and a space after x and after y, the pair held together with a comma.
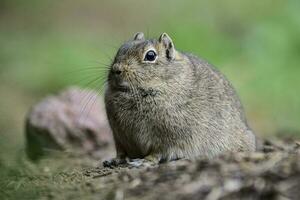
x: 146, y: 64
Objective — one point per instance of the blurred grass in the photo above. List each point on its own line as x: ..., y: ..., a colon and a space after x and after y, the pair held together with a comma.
x: 46, y: 45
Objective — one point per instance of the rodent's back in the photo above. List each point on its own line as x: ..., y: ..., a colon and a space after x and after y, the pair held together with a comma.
x: 213, y: 86
x: 216, y: 96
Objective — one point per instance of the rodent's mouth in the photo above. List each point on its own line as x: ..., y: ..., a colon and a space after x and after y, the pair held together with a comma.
x: 122, y: 89
x: 140, y: 91
x: 120, y: 86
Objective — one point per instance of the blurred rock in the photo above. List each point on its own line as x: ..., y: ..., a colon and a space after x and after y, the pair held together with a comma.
x: 75, y: 119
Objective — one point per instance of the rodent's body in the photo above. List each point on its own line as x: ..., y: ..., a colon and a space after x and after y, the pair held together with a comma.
x: 181, y: 109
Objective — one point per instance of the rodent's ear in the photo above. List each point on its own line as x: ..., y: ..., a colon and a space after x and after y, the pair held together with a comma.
x: 139, y: 36
x: 167, y: 43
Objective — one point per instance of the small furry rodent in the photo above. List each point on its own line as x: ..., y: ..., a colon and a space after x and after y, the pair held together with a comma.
x: 163, y: 104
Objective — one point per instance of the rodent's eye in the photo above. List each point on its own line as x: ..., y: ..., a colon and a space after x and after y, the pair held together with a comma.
x: 150, y: 56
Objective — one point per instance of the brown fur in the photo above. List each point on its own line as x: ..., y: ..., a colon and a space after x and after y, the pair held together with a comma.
x: 176, y: 107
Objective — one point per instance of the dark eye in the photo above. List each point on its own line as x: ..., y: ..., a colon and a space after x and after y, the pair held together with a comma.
x: 150, y: 56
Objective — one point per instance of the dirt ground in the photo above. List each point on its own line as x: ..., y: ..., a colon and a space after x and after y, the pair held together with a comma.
x: 273, y: 172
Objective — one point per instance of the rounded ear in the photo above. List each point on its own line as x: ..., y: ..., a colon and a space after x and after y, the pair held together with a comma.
x: 168, y: 44
x: 139, y: 36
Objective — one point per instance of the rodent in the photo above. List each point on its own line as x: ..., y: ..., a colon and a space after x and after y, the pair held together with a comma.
x: 163, y: 104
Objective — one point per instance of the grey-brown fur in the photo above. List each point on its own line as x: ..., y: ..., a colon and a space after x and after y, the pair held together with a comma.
x: 177, y: 107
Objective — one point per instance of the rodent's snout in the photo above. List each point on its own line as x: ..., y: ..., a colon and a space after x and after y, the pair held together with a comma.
x: 117, y: 72
x: 118, y: 77
x: 116, y: 69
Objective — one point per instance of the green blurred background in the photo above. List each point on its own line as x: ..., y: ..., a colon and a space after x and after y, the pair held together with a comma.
x: 45, y: 44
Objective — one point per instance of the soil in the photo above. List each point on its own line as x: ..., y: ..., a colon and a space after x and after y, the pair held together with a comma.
x: 271, y: 173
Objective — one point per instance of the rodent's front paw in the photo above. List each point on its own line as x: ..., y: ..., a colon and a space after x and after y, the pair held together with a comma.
x: 114, y: 162
x: 153, y: 159
x: 142, y: 162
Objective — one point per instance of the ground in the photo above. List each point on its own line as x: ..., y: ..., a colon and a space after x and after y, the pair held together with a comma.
x: 271, y: 173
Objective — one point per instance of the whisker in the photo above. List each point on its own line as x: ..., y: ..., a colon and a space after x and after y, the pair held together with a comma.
x: 135, y: 92
x: 101, y: 63
x: 108, y: 56
x: 86, y: 78
x: 92, y: 68
x: 92, y: 100
x: 96, y: 80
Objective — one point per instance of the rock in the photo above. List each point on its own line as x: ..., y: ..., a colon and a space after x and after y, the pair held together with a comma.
x: 75, y: 119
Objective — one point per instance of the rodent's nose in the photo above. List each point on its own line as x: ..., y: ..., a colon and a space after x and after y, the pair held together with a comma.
x: 117, y: 69
x: 117, y: 72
